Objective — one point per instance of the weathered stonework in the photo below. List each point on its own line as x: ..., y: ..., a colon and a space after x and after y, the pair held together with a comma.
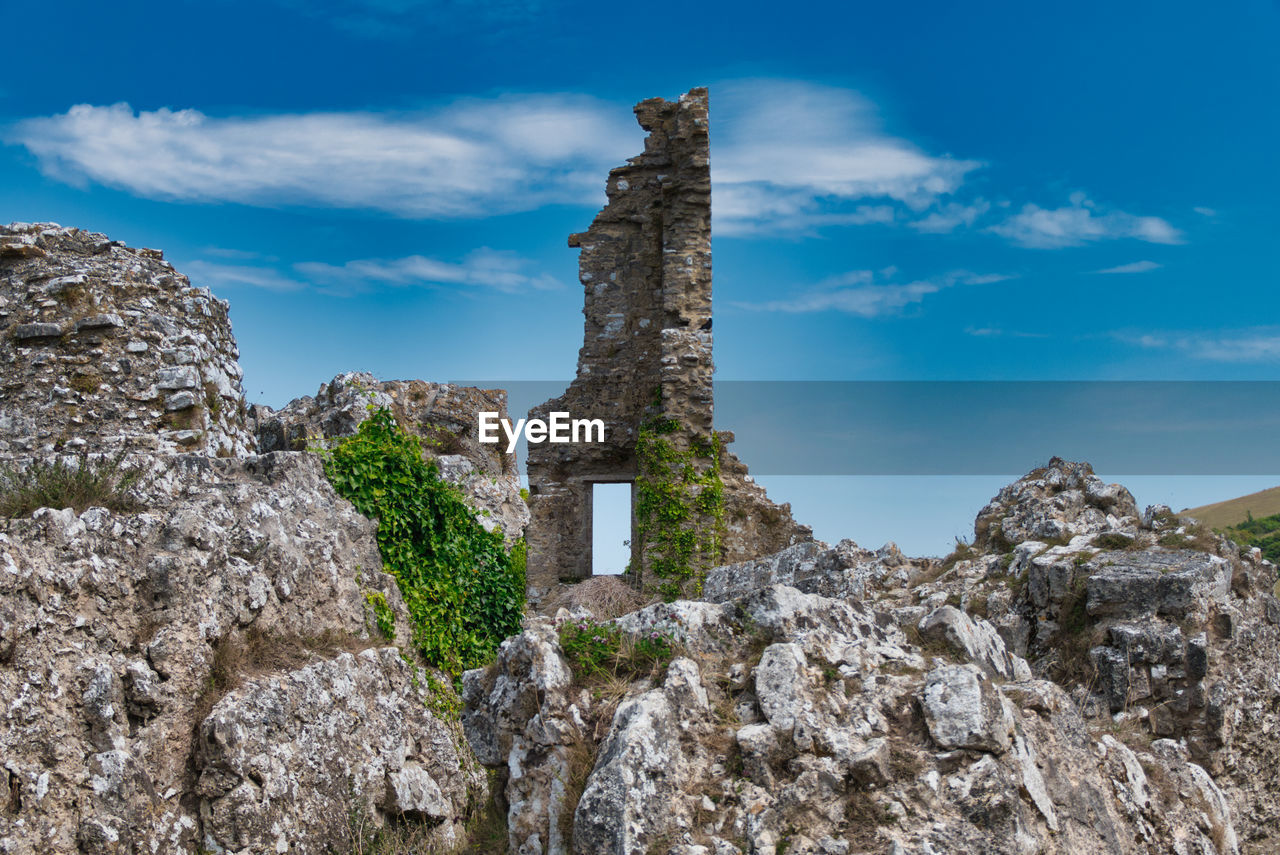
x: 107, y: 347
x: 646, y: 358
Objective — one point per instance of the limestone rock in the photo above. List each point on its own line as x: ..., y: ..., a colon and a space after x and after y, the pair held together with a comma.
x: 1059, y: 501
x: 281, y: 754
x: 113, y: 626
x: 826, y: 728
x: 964, y: 710
x: 977, y: 640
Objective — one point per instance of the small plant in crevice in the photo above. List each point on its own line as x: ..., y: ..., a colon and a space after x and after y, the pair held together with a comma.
x: 602, y: 650
x: 590, y: 647
x: 212, y: 398
x: 383, y: 616
x: 463, y: 589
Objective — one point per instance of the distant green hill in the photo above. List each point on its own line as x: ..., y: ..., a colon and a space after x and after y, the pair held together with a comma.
x: 1252, y: 520
x: 1263, y: 532
x: 1235, y: 511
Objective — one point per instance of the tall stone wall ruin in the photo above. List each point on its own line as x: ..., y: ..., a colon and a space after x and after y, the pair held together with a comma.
x: 646, y: 360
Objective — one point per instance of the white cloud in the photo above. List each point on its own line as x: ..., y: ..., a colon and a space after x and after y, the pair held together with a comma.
x: 473, y: 158
x: 1205, y: 212
x: 950, y: 216
x: 208, y: 274
x: 1079, y: 223
x: 1252, y: 344
x: 996, y: 332
x: 855, y: 293
x: 483, y: 268
x: 238, y: 254
x: 1133, y: 267
x: 790, y: 155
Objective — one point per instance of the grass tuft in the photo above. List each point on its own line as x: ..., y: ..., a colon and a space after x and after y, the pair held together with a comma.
x: 87, y: 483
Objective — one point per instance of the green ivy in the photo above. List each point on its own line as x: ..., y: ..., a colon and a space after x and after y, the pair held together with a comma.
x: 463, y: 590
x: 383, y: 616
x: 679, y: 506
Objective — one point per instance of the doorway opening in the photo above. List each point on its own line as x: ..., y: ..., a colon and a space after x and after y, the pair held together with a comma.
x: 610, y: 528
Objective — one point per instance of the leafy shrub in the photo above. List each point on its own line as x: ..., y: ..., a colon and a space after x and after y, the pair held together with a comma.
x: 99, y: 482
x: 464, y: 591
x: 598, y: 649
x: 1262, y: 532
x: 590, y: 646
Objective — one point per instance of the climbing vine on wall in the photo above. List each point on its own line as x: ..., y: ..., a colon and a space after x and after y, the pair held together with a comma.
x: 464, y: 591
x: 679, y: 506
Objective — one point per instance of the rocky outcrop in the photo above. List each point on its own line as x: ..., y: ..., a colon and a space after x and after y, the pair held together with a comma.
x: 107, y: 347
x: 1058, y: 501
x: 120, y: 630
x: 205, y: 671
x: 811, y: 724
x: 1111, y: 691
x: 443, y: 414
x: 280, y: 757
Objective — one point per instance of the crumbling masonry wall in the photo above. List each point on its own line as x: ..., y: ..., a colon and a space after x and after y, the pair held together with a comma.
x: 107, y: 348
x: 645, y: 267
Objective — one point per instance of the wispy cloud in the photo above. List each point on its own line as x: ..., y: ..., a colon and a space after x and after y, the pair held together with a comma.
x: 951, y: 216
x: 858, y: 293
x: 219, y: 277
x: 238, y: 254
x: 1249, y: 344
x: 1081, y: 222
x: 469, y: 159
x: 1205, y: 212
x: 483, y: 268
x: 792, y: 155
x: 996, y: 332
x: 1133, y: 267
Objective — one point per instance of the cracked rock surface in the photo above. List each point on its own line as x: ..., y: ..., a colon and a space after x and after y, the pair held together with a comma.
x: 1107, y: 689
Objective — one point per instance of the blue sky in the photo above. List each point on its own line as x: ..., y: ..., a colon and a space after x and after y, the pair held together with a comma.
x: 921, y: 191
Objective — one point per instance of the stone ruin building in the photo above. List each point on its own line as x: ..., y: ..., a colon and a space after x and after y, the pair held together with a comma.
x: 111, y: 349
x: 645, y: 267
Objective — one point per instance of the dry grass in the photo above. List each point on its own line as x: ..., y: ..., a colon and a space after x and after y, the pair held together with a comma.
x: 581, y: 760
x: 90, y: 482
x: 1234, y: 511
x: 1195, y: 536
x: 606, y: 597
x: 485, y: 833
x: 237, y: 657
